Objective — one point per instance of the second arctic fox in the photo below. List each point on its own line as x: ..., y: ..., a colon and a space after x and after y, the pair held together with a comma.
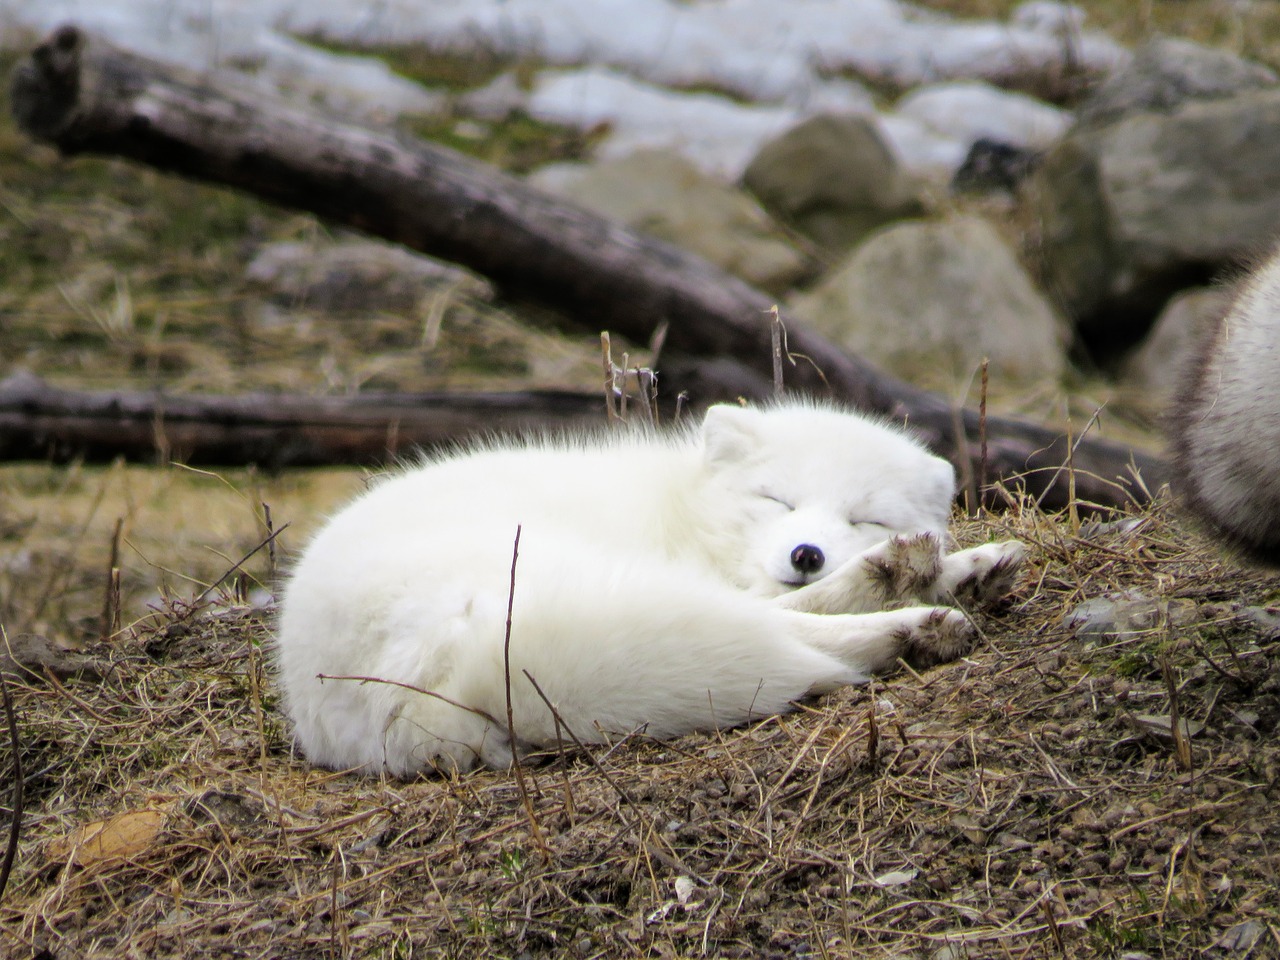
x: 668, y: 582
x: 1227, y: 419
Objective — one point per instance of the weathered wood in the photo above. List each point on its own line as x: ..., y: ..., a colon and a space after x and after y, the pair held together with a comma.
x: 87, y: 97
x: 40, y: 421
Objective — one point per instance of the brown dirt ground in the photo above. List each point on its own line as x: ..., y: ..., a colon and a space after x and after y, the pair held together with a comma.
x: 1018, y: 803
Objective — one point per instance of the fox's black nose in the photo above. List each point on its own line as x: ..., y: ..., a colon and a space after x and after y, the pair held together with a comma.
x: 807, y: 558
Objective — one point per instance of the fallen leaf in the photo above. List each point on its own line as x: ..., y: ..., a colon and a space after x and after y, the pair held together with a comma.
x: 1161, y: 725
x: 1242, y: 937
x: 896, y: 878
x: 119, y: 838
x: 970, y: 827
x: 684, y: 890
x: 1011, y: 841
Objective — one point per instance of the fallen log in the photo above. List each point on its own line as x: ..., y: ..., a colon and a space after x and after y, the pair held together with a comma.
x: 39, y: 421
x: 84, y: 96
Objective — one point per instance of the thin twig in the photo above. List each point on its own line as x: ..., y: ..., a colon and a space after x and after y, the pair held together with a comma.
x: 647, y: 384
x: 1222, y: 671
x: 195, y: 604
x: 1067, y: 463
x: 111, y: 598
x: 271, y: 542
x: 409, y: 686
x: 626, y: 797
x: 775, y: 339
x: 610, y: 377
x: 967, y: 480
x: 873, y: 733
x: 15, y: 820
x: 792, y: 357
x: 1073, y: 508
x: 682, y: 400
x: 982, y: 432
x: 1052, y: 921
x: 534, y: 828
x: 622, y: 399
x: 1181, y: 747
x: 333, y: 903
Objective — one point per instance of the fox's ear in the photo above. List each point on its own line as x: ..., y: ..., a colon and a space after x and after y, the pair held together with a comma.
x: 944, y: 476
x: 942, y: 484
x: 730, y: 433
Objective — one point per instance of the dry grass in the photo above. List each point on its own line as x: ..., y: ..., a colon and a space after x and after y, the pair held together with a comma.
x: 180, y: 530
x: 1014, y: 804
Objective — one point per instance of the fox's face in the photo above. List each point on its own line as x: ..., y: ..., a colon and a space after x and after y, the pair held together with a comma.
x: 798, y: 543
x: 816, y: 487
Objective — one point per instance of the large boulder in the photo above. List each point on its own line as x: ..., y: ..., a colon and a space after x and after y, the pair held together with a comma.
x: 355, y: 275
x: 925, y: 299
x: 1167, y: 72
x: 835, y: 179
x: 665, y: 195
x: 1134, y: 210
x: 1155, y: 368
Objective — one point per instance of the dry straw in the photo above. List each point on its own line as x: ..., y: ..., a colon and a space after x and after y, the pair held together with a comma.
x: 1023, y: 802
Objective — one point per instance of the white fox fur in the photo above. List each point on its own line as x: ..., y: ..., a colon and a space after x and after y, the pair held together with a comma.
x: 1227, y: 419
x: 660, y: 585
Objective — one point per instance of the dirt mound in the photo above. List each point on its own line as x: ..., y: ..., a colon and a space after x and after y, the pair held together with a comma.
x: 1091, y: 781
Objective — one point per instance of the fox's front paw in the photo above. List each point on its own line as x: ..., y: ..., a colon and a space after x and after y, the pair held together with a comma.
x: 981, y: 574
x: 939, y: 636
x: 904, y: 566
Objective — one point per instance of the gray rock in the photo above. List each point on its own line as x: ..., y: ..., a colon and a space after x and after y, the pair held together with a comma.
x: 356, y: 276
x: 922, y: 296
x: 1242, y: 937
x: 1118, y: 616
x: 835, y: 179
x: 1167, y: 72
x: 1266, y: 620
x: 665, y: 195
x: 1135, y: 210
x: 30, y: 656
x: 1155, y: 368
x: 1113, y: 530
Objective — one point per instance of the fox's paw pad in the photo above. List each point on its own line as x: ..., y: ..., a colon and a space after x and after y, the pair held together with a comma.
x: 905, y: 565
x: 940, y: 636
x: 983, y: 574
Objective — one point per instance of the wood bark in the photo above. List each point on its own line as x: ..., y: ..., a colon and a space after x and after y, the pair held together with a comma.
x: 84, y: 96
x: 40, y: 421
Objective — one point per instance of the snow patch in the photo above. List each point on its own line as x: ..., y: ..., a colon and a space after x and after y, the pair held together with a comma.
x: 714, y: 80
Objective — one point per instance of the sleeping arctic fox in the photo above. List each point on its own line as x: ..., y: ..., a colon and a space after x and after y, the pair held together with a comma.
x: 668, y: 582
x: 1227, y: 419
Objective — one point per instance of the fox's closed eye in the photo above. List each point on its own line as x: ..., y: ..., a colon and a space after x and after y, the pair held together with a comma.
x: 769, y: 496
